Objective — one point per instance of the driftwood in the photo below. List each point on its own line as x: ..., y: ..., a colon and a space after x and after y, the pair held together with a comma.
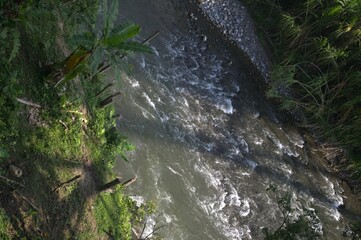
x: 23, y: 101
x: 130, y: 181
x: 108, y: 100
x: 66, y: 182
x: 105, y: 88
x: 154, y: 230
x: 104, y: 103
x: 110, y: 184
x: 115, y: 182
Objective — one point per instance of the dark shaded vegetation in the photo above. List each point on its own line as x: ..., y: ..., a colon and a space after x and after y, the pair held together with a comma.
x: 315, y: 48
x: 53, y: 134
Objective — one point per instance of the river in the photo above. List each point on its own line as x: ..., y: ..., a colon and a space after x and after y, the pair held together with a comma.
x: 208, y: 143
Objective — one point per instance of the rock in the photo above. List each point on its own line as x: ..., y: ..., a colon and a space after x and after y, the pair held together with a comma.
x: 15, y: 171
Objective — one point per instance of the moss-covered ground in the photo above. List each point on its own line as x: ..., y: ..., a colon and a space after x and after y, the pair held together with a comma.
x: 63, y: 143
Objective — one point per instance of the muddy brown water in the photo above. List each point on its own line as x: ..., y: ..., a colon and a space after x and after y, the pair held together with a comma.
x: 208, y: 143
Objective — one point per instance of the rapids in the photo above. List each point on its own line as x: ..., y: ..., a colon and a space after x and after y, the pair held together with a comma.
x: 208, y: 143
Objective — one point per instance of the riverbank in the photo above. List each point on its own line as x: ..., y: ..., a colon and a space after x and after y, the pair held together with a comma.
x: 315, y: 73
x: 58, y: 145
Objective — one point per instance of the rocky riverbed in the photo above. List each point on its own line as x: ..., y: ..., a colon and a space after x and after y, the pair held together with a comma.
x: 233, y: 20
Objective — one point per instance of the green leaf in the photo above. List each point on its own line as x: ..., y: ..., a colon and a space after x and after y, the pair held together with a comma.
x: 86, y: 40
x: 105, y: 11
x: 119, y: 28
x: 96, y: 60
x: 124, y: 34
x: 16, y: 45
x: 4, y: 33
x: 112, y: 14
x: 3, y: 153
x: 135, y: 47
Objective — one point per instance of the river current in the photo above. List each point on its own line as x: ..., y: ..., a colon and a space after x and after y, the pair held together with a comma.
x: 207, y: 143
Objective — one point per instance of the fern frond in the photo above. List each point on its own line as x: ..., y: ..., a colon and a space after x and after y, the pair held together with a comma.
x: 16, y: 45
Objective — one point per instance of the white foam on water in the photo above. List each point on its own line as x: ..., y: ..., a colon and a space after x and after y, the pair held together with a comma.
x: 149, y: 227
x: 245, y: 208
x: 251, y: 163
x: 145, y: 113
x: 212, y: 178
x: 281, y: 147
x: 331, y: 191
x: 150, y: 102
x: 135, y: 84
x: 258, y: 141
x: 225, y: 105
x: 286, y: 168
x: 233, y: 197
x: 244, y: 145
x: 168, y: 218
x: 219, y: 202
x: 139, y: 200
x: 142, y: 62
x: 335, y: 196
x: 174, y: 171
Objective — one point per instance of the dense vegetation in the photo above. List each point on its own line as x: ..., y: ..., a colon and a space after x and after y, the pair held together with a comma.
x: 58, y: 137
x: 315, y: 48
x: 316, y: 51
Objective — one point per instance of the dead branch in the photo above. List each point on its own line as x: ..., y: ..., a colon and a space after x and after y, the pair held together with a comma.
x: 115, y: 182
x: 108, y: 100
x: 130, y: 181
x: 105, y: 88
x: 67, y: 182
x: 23, y: 101
x: 11, y: 181
x: 110, y: 184
x: 27, y: 200
x: 154, y: 230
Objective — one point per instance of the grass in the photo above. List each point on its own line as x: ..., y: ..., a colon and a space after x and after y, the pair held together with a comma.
x: 316, y: 51
x: 68, y: 136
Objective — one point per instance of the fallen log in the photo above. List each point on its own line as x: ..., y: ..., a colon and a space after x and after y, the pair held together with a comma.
x: 116, y: 182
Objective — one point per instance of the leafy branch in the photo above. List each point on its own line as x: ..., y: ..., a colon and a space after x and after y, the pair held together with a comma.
x: 303, y: 227
x: 97, y: 47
